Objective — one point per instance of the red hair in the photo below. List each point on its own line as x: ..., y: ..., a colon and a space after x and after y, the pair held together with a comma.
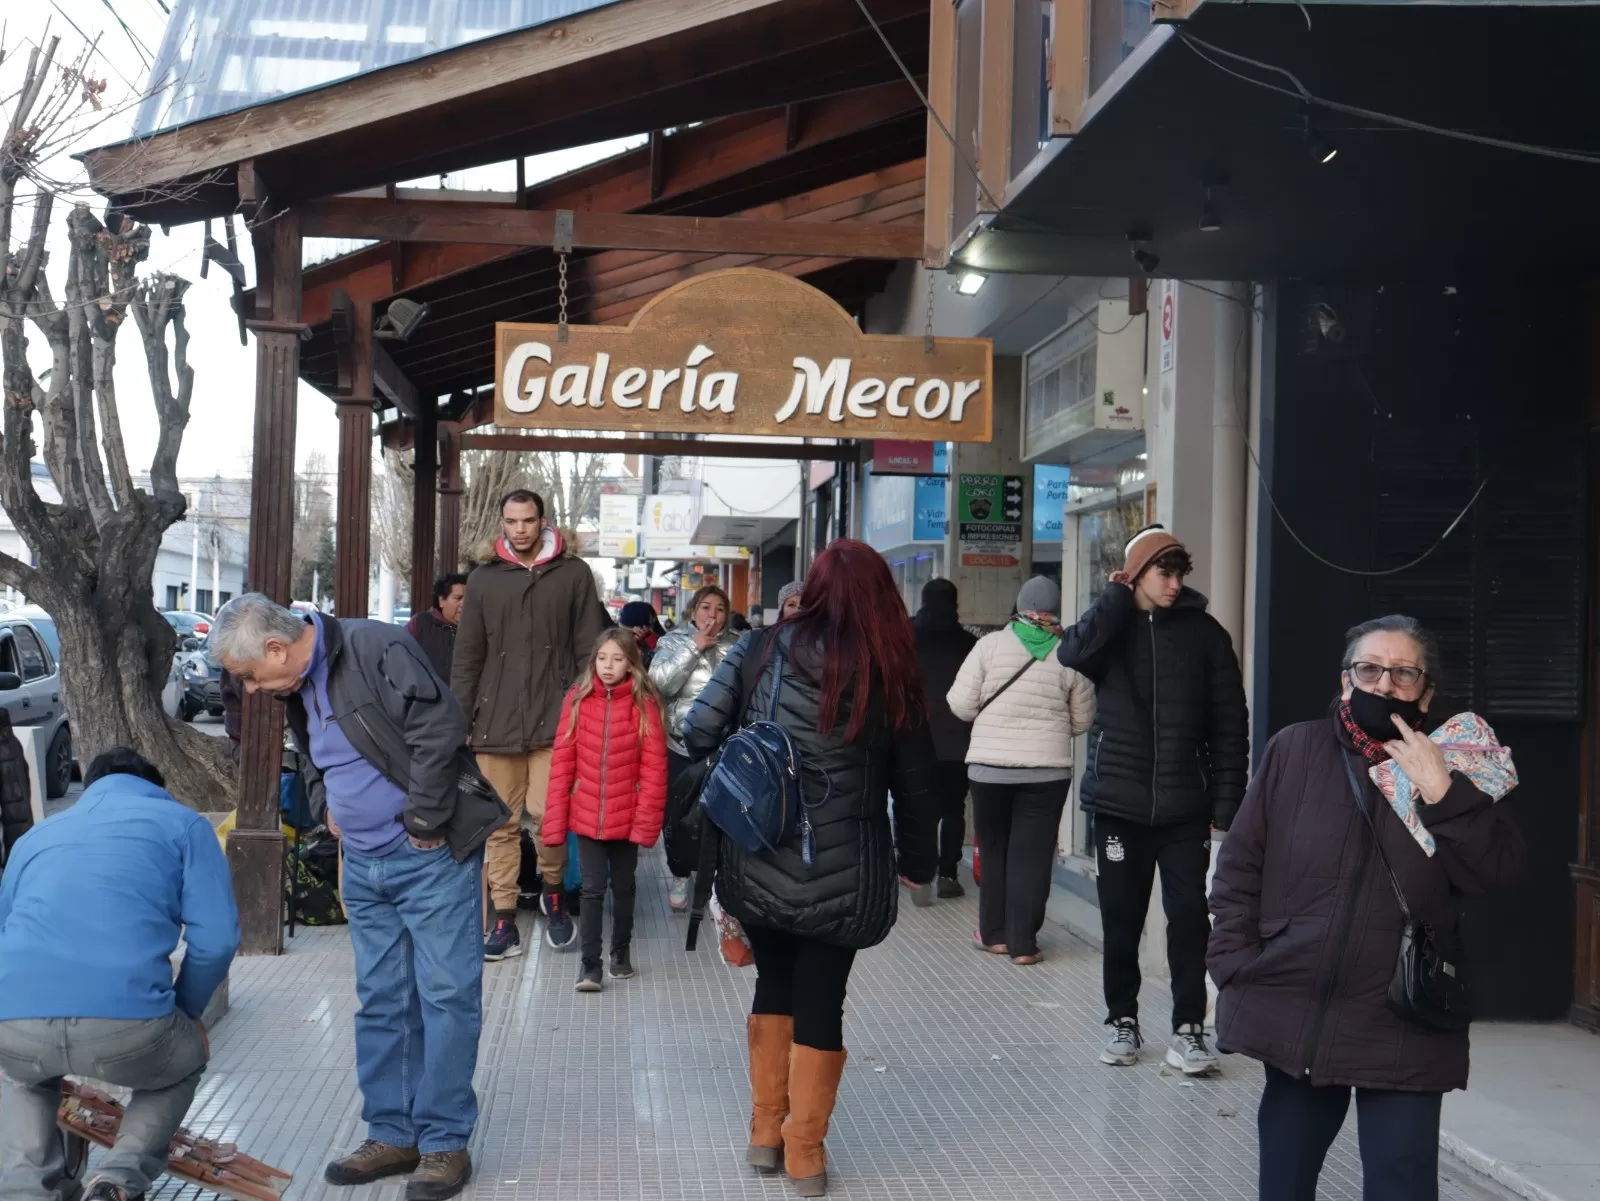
x: 852, y: 619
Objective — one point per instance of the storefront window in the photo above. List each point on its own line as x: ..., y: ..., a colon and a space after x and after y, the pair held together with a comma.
x: 1061, y: 387
x: 912, y: 571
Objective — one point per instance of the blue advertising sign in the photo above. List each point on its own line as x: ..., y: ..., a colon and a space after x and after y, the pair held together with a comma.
x: 928, y: 523
x: 1049, y: 495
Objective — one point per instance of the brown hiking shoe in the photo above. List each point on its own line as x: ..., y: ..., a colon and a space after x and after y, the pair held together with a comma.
x: 371, y: 1161
x: 441, y: 1174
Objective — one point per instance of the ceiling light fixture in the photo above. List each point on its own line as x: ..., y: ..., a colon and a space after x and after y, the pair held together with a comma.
x: 1210, y: 220
x: 1322, y: 151
x: 970, y: 282
x: 400, y: 320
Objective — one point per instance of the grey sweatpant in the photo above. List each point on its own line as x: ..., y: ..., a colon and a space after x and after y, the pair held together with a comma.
x: 161, y: 1060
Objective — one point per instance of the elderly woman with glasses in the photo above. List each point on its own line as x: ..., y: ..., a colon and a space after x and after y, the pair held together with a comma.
x: 1308, y: 923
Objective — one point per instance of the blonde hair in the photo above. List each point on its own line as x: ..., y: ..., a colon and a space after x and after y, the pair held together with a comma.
x: 645, y: 693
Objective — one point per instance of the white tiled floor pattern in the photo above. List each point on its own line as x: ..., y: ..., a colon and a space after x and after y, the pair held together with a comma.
x: 968, y: 1078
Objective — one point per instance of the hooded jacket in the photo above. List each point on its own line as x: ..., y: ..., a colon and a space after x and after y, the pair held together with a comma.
x: 525, y: 637
x: 849, y: 893
x: 1307, y: 927
x: 607, y: 779
x: 680, y: 670
x: 436, y: 637
x: 942, y: 647
x: 1171, y: 740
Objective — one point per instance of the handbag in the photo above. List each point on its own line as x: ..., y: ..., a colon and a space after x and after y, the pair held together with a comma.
x: 1429, y: 987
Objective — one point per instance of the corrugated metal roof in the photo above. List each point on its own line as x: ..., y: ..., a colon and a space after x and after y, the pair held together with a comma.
x: 219, y: 56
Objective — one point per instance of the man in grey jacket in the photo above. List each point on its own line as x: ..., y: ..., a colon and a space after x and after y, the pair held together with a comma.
x: 387, y: 740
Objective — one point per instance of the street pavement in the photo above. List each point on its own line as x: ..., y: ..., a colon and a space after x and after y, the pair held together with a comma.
x: 969, y: 1079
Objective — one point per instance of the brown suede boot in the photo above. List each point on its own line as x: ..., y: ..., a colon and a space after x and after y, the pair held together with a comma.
x: 813, y: 1088
x: 770, y: 1037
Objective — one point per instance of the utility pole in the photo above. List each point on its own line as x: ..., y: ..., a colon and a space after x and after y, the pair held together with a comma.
x: 194, y: 553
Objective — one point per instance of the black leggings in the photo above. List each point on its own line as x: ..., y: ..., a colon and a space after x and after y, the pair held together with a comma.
x: 804, y: 979
x: 619, y: 859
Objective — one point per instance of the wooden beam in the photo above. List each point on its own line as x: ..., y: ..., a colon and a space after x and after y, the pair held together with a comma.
x: 846, y: 452
x: 424, y: 507
x: 1069, y: 66
x: 217, y: 143
x: 389, y: 381
x: 562, y: 83
x: 792, y: 126
x: 940, y: 168
x: 506, y: 225
x: 255, y: 848
x: 658, y: 163
x: 995, y: 99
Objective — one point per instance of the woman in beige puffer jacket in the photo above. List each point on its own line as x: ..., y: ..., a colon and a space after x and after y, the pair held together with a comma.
x: 1025, y: 710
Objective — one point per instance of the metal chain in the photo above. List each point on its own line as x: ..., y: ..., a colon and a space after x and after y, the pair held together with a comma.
x: 927, y: 333
x: 561, y: 302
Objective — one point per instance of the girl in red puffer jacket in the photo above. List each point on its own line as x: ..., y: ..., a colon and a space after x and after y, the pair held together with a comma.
x: 608, y: 785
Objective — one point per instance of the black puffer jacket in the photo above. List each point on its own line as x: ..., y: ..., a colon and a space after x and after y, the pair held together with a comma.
x: 1171, y: 738
x: 849, y: 895
x: 942, y: 647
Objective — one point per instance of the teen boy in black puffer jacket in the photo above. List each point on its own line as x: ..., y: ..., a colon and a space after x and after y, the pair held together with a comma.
x: 1167, y: 762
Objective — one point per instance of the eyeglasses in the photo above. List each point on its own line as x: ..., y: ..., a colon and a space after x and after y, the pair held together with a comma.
x: 1371, y: 673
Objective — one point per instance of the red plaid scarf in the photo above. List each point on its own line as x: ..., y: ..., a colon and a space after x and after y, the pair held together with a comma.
x: 1369, y: 747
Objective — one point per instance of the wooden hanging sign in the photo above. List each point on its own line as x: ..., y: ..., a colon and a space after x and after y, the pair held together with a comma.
x: 744, y: 351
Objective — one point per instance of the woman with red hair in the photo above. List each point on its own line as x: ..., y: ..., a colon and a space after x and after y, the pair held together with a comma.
x: 850, y: 696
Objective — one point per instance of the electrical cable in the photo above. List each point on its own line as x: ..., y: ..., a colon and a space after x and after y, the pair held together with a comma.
x: 1241, y: 372
x: 139, y: 47
x: 1305, y: 96
x: 926, y: 104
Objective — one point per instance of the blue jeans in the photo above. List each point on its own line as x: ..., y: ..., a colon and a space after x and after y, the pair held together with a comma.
x: 160, y: 1059
x: 416, y: 925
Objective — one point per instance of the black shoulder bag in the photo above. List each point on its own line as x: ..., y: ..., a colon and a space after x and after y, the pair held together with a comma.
x: 1429, y: 986
x: 995, y: 695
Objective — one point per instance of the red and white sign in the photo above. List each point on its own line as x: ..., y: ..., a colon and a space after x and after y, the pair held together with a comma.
x: 902, y: 458
x: 1169, y: 327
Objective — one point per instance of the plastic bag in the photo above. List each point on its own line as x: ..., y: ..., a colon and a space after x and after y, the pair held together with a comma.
x: 731, y: 938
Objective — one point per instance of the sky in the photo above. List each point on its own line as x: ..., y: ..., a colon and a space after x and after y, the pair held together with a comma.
x: 219, y: 436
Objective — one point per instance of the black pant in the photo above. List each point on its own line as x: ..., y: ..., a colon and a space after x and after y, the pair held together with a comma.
x: 676, y: 765
x: 951, y: 790
x: 1016, y: 826
x: 596, y: 859
x: 1399, y: 1135
x: 1128, y: 855
x: 803, y: 979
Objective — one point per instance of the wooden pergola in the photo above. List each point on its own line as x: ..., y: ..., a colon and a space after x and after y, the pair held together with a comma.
x: 781, y: 134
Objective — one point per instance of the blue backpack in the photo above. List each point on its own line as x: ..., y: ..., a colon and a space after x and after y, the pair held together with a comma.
x: 756, y: 793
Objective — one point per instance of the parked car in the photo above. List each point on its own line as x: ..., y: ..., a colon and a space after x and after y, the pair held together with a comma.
x: 202, y: 684
x: 38, y: 702
x: 42, y: 622
x: 192, y: 625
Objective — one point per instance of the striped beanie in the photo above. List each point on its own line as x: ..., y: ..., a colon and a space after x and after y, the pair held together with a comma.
x: 1145, y: 547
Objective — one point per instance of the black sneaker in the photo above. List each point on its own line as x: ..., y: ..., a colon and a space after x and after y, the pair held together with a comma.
x: 950, y: 888
x: 621, y: 966
x: 559, y: 931
x: 589, y: 976
x: 503, y: 942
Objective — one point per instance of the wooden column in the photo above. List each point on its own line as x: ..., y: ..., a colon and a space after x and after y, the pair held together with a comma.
x: 352, y: 567
x: 449, y: 501
x: 424, y: 500
x: 255, y: 848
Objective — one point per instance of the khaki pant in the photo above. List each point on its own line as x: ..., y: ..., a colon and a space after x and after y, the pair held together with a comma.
x: 521, y: 781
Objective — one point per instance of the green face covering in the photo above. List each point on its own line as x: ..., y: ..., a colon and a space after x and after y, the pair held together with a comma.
x: 1039, y: 641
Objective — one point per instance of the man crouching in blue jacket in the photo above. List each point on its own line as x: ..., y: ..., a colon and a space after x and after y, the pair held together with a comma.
x: 91, y: 908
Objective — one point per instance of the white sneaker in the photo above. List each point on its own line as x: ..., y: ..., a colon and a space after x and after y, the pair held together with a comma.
x: 1122, y: 1049
x: 1190, y: 1054
x: 678, y: 894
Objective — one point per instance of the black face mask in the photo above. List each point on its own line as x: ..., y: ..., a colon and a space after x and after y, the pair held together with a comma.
x: 1372, y: 712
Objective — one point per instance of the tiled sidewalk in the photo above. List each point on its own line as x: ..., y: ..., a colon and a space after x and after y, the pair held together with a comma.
x: 968, y: 1078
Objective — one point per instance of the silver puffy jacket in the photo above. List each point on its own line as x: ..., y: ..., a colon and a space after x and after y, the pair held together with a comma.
x: 681, y: 670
